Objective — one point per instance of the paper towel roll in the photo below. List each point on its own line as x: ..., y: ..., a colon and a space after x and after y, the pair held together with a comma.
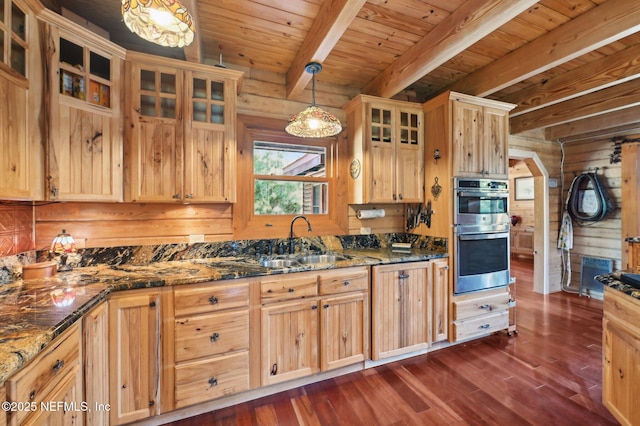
x: 370, y: 214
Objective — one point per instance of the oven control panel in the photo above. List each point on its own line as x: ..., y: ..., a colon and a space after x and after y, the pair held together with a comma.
x: 482, y: 184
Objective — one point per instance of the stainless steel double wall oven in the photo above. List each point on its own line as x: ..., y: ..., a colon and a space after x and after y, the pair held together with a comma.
x: 481, y: 240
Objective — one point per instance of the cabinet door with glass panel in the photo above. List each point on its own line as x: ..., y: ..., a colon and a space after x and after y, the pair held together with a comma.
x: 209, y: 138
x: 84, y: 153
x: 154, y: 133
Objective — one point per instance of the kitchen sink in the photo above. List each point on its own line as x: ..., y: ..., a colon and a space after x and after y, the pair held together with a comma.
x: 278, y: 263
x: 320, y: 258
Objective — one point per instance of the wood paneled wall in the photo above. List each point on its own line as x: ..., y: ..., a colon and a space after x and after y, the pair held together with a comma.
x: 393, y: 221
x: 595, y: 239
x: 115, y: 224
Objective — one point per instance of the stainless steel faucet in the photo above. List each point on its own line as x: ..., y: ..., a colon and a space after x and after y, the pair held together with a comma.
x: 292, y: 247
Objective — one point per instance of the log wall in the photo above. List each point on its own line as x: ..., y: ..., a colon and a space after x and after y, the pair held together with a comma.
x: 595, y: 239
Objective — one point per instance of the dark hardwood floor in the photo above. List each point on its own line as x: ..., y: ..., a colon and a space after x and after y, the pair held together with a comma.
x: 549, y: 374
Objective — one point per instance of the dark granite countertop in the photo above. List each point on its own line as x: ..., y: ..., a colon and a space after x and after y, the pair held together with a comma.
x: 613, y: 280
x: 34, y: 312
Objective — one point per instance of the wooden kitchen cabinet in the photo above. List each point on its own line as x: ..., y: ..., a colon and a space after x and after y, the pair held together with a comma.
x: 522, y: 241
x: 313, y: 321
x: 344, y: 317
x: 440, y: 300
x: 289, y: 340
x: 181, y: 141
x: 386, y: 146
x: 401, y: 309
x: 135, y: 319
x: 621, y: 347
x: 3, y: 413
x: 21, y: 161
x: 211, y: 340
x: 469, y: 132
x: 85, y: 144
x: 54, y: 376
x: 95, y: 336
x: 480, y: 313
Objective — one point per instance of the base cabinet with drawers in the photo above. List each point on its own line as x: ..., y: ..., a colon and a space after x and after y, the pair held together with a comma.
x: 211, y: 341
x: 313, y: 322
x: 53, y: 377
x: 480, y: 313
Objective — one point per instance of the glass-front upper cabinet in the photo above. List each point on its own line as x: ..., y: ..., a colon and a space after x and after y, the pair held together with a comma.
x: 13, y: 35
x: 84, y: 74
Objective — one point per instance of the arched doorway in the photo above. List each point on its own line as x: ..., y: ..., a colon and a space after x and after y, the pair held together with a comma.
x: 541, y: 220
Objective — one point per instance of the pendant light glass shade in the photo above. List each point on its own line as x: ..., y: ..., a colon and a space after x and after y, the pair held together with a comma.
x: 164, y: 22
x: 313, y: 122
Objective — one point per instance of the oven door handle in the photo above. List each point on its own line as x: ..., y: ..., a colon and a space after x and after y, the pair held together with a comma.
x: 486, y: 236
x: 492, y: 194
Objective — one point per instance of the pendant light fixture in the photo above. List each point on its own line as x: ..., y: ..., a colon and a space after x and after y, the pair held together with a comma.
x: 164, y: 22
x: 313, y: 122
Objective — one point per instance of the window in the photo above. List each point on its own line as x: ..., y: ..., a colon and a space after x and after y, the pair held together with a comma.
x: 289, y: 179
x: 280, y: 176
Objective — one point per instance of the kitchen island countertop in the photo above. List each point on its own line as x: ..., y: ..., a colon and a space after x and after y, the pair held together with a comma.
x: 34, y: 312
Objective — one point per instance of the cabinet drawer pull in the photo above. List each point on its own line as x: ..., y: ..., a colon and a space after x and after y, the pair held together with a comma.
x: 346, y: 283
x: 485, y: 326
x: 213, y: 382
x: 176, y: 196
x: 400, y: 196
x: 314, y: 307
x: 213, y: 300
x: 215, y: 337
x: 291, y: 290
x: 57, y: 366
x: 152, y: 304
x: 326, y: 306
x: 487, y: 307
x: 403, y: 276
x: 188, y: 196
x: 32, y: 395
x: 274, y: 370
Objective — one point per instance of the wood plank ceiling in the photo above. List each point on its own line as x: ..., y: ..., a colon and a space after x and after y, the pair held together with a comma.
x: 571, y: 66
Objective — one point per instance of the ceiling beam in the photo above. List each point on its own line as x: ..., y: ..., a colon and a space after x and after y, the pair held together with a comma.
x: 614, y: 98
x: 618, y: 68
x: 470, y: 22
x: 333, y: 19
x: 598, y: 27
x: 616, y: 122
x: 193, y: 52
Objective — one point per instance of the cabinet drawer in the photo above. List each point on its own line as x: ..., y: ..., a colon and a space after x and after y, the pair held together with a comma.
x: 210, y: 297
x: 208, y: 379
x: 471, y: 307
x: 289, y: 288
x: 213, y: 334
x: 36, y: 381
x: 343, y: 280
x: 479, y: 326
